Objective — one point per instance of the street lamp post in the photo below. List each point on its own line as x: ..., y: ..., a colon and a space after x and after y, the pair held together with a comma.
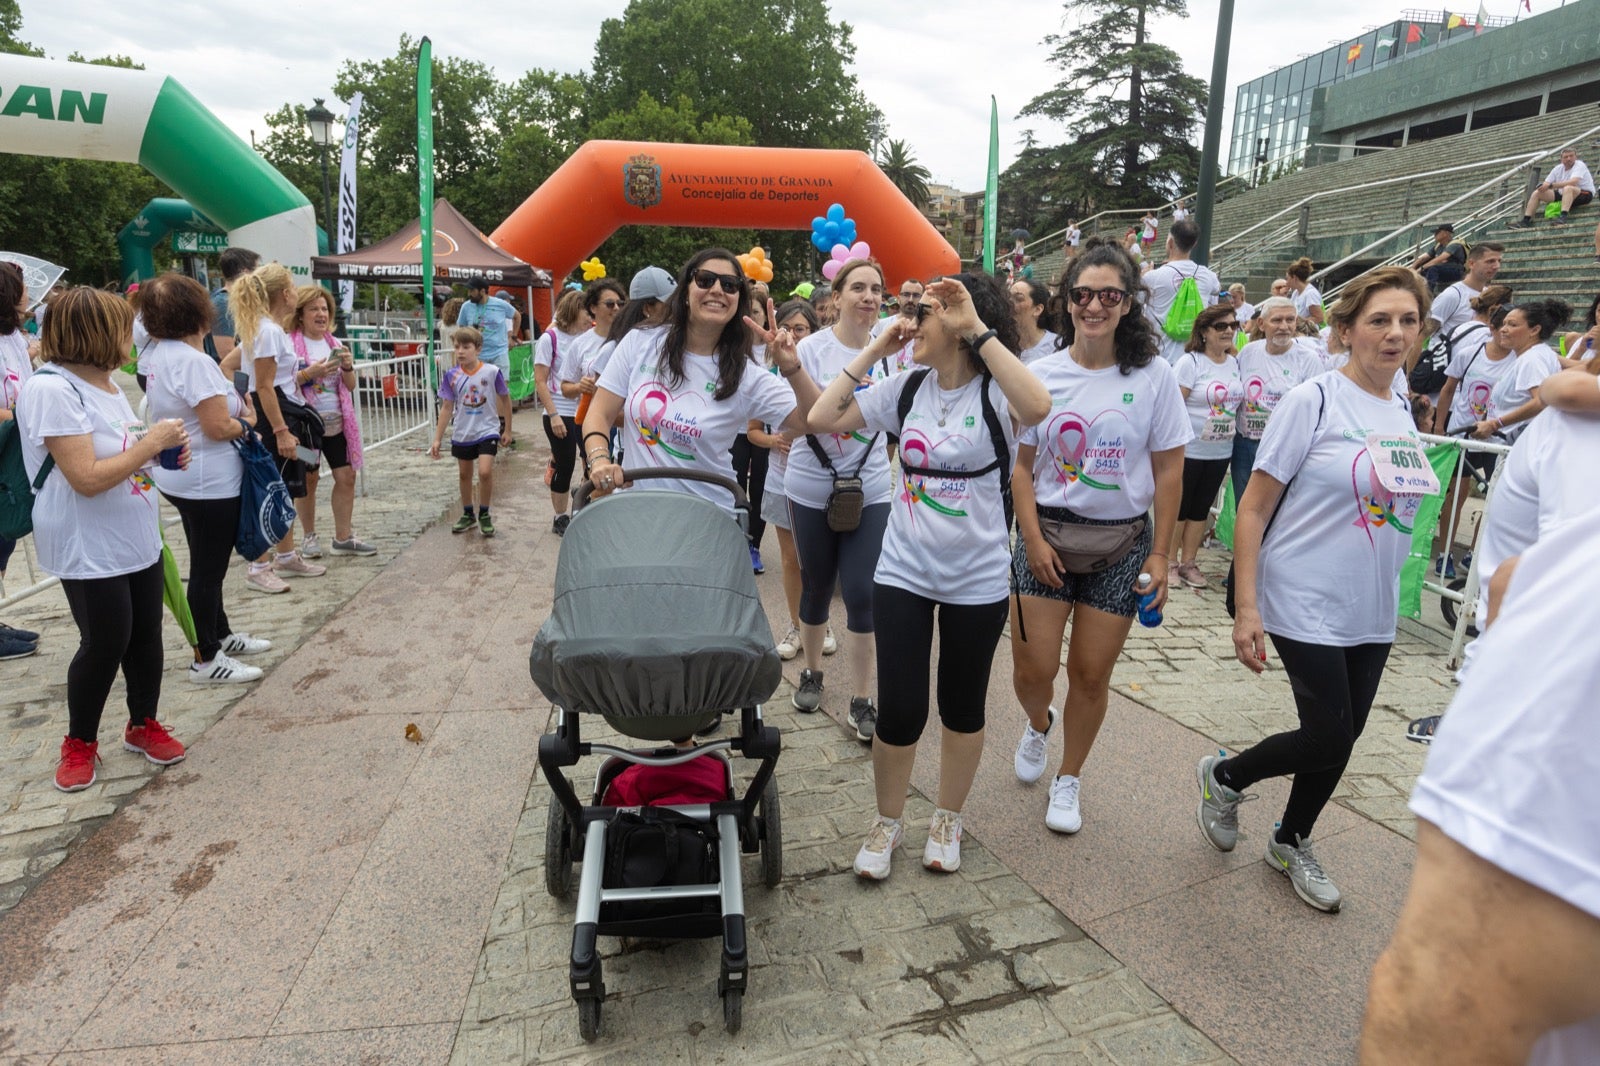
x: 1206, y: 202
x: 319, y: 120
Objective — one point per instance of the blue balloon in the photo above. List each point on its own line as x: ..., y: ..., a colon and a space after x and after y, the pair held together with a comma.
x: 847, y: 232
x: 836, y: 213
x: 817, y: 224
x: 831, y: 230
x: 821, y: 243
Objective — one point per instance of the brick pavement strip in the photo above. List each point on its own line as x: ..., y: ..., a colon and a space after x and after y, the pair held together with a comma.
x: 966, y: 967
x: 38, y: 825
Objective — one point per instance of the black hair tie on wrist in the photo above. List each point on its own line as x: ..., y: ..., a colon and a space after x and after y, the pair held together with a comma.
x: 597, y: 433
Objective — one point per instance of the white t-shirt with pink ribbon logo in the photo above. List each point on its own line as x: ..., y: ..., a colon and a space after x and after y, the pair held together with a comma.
x: 1477, y: 377
x: 824, y: 357
x: 1268, y: 379
x: 1329, y: 571
x: 1215, y: 392
x: 947, y: 537
x: 1094, y: 449
x: 682, y: 424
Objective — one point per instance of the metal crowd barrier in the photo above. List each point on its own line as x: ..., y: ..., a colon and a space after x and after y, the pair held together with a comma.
x: 394, y: 398
x: 1464, y: 598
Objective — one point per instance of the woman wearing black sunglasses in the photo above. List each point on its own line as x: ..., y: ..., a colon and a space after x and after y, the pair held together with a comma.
x: 1208, y: 375
x: 1112, y: 447
x: 687, y: 390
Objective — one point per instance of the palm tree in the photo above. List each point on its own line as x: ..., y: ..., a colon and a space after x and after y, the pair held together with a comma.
x: 909, y: 176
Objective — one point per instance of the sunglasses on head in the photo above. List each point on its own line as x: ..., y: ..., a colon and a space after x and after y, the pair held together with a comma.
x: 707, y: 278
x: 1082, y: 294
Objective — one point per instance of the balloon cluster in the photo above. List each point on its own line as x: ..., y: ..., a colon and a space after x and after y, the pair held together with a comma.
x: 756, y: 265
x: 842, y: 255
x: 833, y: 229
x: 593, y: 269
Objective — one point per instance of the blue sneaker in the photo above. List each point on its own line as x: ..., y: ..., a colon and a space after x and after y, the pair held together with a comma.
x: 755, y: 560
x: 1445, y: 565
x: 27, y: 636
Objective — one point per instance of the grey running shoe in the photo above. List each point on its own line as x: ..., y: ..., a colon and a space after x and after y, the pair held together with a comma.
x: 1304, y: 872
x: 354, y: 546
x: 1219, y: 806
x: 808, y: 697
x: 310, y: 547
x: 864, y: 717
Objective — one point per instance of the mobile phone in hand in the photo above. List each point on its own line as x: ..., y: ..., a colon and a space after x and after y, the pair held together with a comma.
x: 241, y: 382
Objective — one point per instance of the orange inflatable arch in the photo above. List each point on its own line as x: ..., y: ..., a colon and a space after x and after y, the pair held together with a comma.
x: 608, y: 184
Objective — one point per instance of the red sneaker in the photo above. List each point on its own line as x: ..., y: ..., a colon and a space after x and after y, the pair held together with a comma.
x: 75, y: 771
x: 153, y: 742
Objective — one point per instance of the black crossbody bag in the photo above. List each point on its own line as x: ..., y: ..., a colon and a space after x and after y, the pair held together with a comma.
x: 848, y: 498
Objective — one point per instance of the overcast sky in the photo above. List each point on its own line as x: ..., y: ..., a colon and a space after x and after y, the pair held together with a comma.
x: 930, y: 67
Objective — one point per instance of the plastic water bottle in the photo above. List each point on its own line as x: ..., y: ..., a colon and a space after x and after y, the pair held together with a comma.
x: 1149, y: 613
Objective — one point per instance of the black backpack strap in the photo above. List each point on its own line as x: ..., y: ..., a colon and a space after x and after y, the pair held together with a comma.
x: 822, y: 456
x: 1002, y: 454
x: 908, y: 394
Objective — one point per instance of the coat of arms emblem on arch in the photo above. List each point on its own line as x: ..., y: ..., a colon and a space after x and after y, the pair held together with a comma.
x: 641, y: 181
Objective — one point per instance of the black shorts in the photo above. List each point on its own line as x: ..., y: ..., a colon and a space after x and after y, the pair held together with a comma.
x: 1201, y: 480
x: 468, y: 452
x: 336, y: 449
x: 1582, y: 198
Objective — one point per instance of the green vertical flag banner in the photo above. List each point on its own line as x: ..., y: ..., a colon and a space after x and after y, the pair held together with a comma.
x: 425, y: 189
x: 1226, y: 516
x: 991, y: 189
x: 1443, y: 459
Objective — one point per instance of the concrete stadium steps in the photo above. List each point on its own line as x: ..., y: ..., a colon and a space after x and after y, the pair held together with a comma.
x: 1552, y: 262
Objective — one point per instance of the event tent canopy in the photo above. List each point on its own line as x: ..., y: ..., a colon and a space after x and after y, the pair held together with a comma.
x: 460, y: 250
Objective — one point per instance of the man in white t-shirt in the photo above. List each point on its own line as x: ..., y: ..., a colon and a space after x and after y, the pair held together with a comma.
x: 1453, y: 306
x: 1496, y: 956
x: 1071, y: 238
x: 1161, y: 284
x: 1568, y: 181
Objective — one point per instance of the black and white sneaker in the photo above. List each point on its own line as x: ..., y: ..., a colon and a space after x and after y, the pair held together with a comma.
x: 559, y: 526
x: 808, y: 697
x: 223, y: 671
x: 245, y: 644
x: 864, y: 718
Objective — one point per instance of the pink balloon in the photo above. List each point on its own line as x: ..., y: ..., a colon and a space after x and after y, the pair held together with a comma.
x: 830, y: 269
x: 860, y: 250
x: 841, y: 253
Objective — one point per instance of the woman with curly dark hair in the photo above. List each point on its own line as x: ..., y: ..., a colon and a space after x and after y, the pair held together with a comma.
x: 944, y: 554
x: 1085, y: 481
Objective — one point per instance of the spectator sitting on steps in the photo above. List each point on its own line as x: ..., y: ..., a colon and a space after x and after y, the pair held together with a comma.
x: 1445, y: 261
x: 1568, y: 181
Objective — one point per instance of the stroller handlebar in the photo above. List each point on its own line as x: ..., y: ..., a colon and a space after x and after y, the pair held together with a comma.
x: 741, y: 502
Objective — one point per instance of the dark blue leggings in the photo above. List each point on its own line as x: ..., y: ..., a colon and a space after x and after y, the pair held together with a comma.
x: 850, y: 558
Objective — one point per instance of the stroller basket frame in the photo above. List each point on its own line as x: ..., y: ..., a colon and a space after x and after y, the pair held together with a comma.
x: 577, y: 832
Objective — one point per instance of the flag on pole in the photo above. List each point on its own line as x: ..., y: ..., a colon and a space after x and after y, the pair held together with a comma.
x: 1483, y: 17
x: 1354, y: 52
x: 1414, y: 34
x: 425, y: 190
x: 347, y: 198
x: 1527, y: 5
x: 1385, y: 42
x: 991, y: 189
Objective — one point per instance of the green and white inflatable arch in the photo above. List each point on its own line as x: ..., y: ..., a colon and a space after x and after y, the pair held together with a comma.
x: 79, y: 111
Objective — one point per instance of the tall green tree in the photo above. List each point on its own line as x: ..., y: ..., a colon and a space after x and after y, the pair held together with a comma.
x: 909, y: 176
x: 1129, y: 109
x: 782, y: 64
x: 11, y: 41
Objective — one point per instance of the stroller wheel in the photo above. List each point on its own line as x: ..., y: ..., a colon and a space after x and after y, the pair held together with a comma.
x: 1448, y: 608
x: 771, y: 818
x: 589, y: 1019
x: 733, y: 1010
x: 558, y: 851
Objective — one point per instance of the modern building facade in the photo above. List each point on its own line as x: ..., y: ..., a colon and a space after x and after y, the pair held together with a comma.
x: 1428, y: 74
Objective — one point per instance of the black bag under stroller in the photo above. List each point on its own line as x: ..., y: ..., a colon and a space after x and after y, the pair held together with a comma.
x: 657, y: 627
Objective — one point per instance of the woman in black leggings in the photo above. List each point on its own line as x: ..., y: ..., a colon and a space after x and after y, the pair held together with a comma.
x: 185, y: 384
x: 95, y: 523
x: 560, y: 384
x: 946, y: 553
x: 1323, y: 530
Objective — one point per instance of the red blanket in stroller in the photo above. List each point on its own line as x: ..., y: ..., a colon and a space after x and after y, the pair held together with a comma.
x: 702, y: 780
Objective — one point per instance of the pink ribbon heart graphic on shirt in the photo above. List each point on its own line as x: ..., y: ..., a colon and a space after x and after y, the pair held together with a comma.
x: 1071, y: 435
x: 917, y: 451
x: 1478, y: 399
x: 1376, y: 509
x: 1254, y: 389
x: 1217, y: 397
x: 652, y: 407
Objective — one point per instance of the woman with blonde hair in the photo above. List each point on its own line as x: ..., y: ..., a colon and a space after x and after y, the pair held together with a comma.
x: 258, y: 302
x: 327, y: 380
x: 96, y: 524
x: 1323, y: 582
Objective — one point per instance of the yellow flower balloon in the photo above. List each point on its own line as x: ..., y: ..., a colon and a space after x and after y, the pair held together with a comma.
x: 593, y: 269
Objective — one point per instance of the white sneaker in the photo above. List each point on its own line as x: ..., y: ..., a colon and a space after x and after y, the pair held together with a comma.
x: 265, y: 580
x: 789, y: 646
x: 1063, y: 815
x: 829, y: 645
x: 245, y: 644
x: 310, y: 546
x: 943, y: 850
x: 1032, y: 750
x: 872, y: 861
x: 223, y: 671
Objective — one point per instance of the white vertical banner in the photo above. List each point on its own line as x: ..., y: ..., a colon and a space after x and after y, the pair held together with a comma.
x: 346, y: 238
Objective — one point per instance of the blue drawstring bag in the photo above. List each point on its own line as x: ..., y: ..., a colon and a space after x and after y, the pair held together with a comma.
x: 266, y: 513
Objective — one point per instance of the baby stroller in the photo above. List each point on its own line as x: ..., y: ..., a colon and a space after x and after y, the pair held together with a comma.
x: 656, y: 627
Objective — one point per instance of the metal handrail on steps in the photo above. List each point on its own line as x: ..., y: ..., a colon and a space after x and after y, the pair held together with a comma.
x: 1136, y: 211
